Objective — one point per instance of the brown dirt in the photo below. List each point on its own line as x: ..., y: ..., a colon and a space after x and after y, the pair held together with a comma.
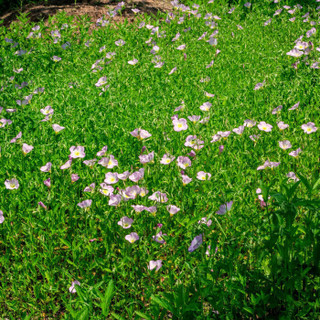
x: 93, y: 8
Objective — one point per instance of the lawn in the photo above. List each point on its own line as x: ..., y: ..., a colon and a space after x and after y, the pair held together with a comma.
x: 162, y: 169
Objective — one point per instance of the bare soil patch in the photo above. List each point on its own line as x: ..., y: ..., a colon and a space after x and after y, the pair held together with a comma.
x: 94, y: 9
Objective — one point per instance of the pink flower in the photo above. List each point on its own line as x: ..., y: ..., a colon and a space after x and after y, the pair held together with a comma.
x: 1, y: 217
x: 158, y: 237
x: 249, y: 123
x: 263, y: 126
x: 172, y: 209
x: 67, y: 165
x: 294, y: 106
x: 47, y: 110
x: 47, y: 182
x: 194, y: 119
x: 136, y: 176
x: 285, y: 144
x: 77, y: 152
x: 140, y: 134
x: 277, y: 110
x: 46, y: 168
x: 147, y: 157
x: 185, y: 179
x: 132, y: 237
x: 72, y: 289
x: 90, y: 188
x: 42, y: 205
x: 124, y: 175
x: 205, y: 221
x: 309, y: 127
x: 125, y: 222
x: 57, y: 128
x: 159, y: 197
x: 295, y: 153
x: 74, y: 177
x: 180, y: 124
x: 111, y: 178
x: 102, y: 151
x: 26, y: 148
x: 206, y: 106
x: 19, y: 135
x: 224, y: 208
x: 282, y: 125
x: 138, y: 208
x: 183, y: 162
x: 109, y: 162
x: 85, y: 204
x: 90, y: 163
x: 166, y: 159
x: 155, y: 264
x: 292, y: 176
x: 11, y: 184
x: 115, y: 200
x: 201, y: 175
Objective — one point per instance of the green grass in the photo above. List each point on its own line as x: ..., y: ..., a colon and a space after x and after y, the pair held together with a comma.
x: 264, y: 260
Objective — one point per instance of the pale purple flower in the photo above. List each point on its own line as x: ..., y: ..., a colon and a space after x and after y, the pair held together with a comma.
x: 143, y: 192
x: 224, y: 208
x: 77, y: 152
x: 194, y: 118
x: 263, y: 126
x: 159, y: 197
x: 268, y: 164
x: 115, y: 199
x: 105, y: 189
x: 11, y: 184
x: 309, y: 127
x: 40, y: 203
x: 125, y: 222
x: 215, y: 138
x: 19, y: 135
x: 254, y: 137
x: 173, y: 70
x: 57, y: 128
x: 120, y: 43
x: 109, y: 162
x: 1, y: 217
x: 295, y: 153
x: 238, y: 130
x: 67, y: 165
x: 205, y: 221
x: 166, y: 159
x: 183, y: 162
x: 102, y: 151
x: 90, y: 163
x: 282, y: 125
x: 72, y: 289
x: 277, y: 12
x: 124, y: 175
x: 185, y: 179
x: 190, y: 141
x: 74, y: 177
x: 180, y: 124
x: 292, y: 176
x: 26, y: 148
x: 158, y: 237
x: 90, y: 188
x: 295, y: 53
x: 56, y: 58
x: 196, y: 243
x: 152, y: 209
x: 102, y: 81
x: 300, y: 45
x: 140, y: 134
x: 181, y: 47
x: 201, y: 175
x: 135, y: 10
x: 155, y: 264
x: 46, y: 167
x: 137, y: 175
x: 311, y: 32
x: 133, y: 62
x: 285, y: 144
x: 111, y: 178
x: 277, y: 110
x: 247, y: 4
x: 138, y: 208
x: 47, y: 182
x: 130, y: 192
x: 221, y: 148
x: 224, y: 134
x: 259, y: 85
x: 146, y: 158
x: 206, y: 106
x: 85, y: 204
x: 55, y: 34
x: 132, y: 237
x: 172, y: 209
x: 249, y: 123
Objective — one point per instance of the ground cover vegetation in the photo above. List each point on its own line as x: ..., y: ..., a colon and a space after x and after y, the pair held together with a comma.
x: 167, y: 168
